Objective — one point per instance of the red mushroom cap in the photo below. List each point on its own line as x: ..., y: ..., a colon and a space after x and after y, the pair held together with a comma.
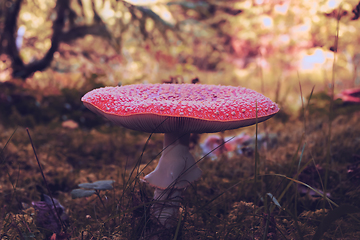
x: 192, y: 108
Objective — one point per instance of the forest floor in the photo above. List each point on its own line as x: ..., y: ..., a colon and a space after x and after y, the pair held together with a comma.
x: 306, y: 187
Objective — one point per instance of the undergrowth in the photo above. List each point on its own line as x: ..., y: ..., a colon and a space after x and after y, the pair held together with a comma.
x: 287, y: 200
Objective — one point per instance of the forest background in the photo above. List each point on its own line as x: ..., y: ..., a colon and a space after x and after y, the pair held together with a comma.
x: 301, y: 54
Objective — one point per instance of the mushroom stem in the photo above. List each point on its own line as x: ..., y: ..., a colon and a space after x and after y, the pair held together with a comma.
x: 177, y: 167
x: 167, y: 207
x: 175, y: 171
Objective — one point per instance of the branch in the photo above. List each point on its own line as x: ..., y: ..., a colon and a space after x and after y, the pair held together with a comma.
x: 356, y: 12
x: 82, y: 31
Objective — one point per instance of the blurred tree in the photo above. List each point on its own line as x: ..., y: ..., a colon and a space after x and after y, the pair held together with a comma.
x: 74, y: 19
x: 64, y: 15
x: 8, y: 40
x: 121, y: 39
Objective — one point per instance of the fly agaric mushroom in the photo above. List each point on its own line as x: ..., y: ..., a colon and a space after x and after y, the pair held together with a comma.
x: 178, y: 110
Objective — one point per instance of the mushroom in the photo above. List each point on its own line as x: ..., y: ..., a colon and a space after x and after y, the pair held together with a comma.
x: 218, y: 145
x: 349, y: 96
x: 178, y: 110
